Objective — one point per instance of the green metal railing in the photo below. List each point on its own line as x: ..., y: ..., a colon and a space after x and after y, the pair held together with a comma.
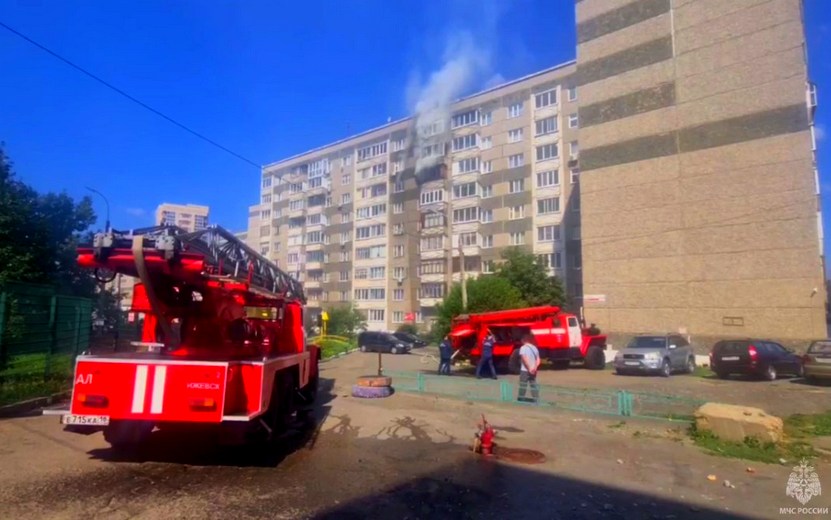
x: 620, y: 403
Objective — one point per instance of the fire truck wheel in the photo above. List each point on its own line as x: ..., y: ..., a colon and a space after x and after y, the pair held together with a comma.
x: 127, y: 435
x: 514, y: 363
x: 371, y: 392
x: 595, y: 359
x: 374, y: 381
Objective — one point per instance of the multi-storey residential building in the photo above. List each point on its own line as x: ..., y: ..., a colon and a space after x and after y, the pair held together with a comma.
x: 383, y: 218
x: 187, y: 216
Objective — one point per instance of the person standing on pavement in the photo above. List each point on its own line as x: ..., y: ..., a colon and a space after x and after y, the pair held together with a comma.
x: 486, y: 359
x: 529, y: 357
x: 445, y: 354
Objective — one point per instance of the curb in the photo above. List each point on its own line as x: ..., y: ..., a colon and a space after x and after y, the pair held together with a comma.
x: 339, y: 355
x: 24, y: 407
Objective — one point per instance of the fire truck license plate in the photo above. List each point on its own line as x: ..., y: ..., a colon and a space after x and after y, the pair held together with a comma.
x: 85, y: 420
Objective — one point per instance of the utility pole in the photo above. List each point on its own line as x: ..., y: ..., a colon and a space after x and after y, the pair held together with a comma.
x: 462, y: 272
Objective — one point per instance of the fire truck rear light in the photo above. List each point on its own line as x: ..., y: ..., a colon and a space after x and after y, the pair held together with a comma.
x: 93, y: 401
x: 203, y: 404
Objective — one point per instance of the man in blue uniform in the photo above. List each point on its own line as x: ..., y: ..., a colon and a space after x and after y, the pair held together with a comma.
x: 445, y: 354
x: 486, y: 359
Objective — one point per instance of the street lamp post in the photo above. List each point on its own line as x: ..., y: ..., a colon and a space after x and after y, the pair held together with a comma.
x: 106, y: 202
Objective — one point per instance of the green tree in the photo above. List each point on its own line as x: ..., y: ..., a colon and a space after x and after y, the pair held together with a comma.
x: 485, y: 293
x: 523, y: 271
x: 344, y: 320
x: 408, y: 328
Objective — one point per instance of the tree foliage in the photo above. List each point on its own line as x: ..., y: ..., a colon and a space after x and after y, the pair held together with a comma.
x: 523, y: 271
x: 485, y: 293
x: 344, y: 320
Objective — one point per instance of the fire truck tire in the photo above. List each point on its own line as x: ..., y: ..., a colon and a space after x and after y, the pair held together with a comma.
x: 595, y: 359
x: 127, y: 435
x: 371, y: 392
x: 374, y: 381
x: 514, y: 363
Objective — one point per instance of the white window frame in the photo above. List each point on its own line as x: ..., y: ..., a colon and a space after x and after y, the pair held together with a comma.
x: 548, y: 175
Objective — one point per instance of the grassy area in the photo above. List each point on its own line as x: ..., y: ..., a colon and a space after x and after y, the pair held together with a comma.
x: 331, y: 347
x: 25, y: 376
x: 799, y: 429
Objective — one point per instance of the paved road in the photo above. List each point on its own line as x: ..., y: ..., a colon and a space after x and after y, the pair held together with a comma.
x: 402, y: 457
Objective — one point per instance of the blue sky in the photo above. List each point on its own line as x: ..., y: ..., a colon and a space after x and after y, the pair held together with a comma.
x: 266, y: 80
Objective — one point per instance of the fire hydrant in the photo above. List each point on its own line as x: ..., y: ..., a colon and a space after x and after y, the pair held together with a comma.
x: 484, y: 438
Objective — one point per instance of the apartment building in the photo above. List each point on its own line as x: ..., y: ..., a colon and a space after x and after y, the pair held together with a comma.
x: 700, y: 191
x: 384, y: 218
x: 187, y: 216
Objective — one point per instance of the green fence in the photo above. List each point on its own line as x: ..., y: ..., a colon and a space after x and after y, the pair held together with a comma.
x: 41, y: 332
x: 620, y: 403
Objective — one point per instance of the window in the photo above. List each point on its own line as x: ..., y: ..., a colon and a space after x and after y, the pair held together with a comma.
x: 465, y: 215
x: 573, y: 148
x: 346, y: 198
x: 546, y: 98
x: 397, y: 166
x: 375, y: 315
x: 486, y: 119
x: 432, y: 220
x: 379, y: 169
x: 432, y: 267
x: 296, y: 205
x: 575, y: 262
x: 267, y: 181
x: 466, y: 165
x: 366, y: 253
x: 398, y: 295
x: 373, y: 211
x: 486, y: 215
x: 346, y: 217
x: 515, y: 135
x: 373, y: 150
x: 346, y: 160
x: 545, y: 206
x: 294, y: 258
x: 464, y: 119
x: 432, y: 290
x: 465, y: 142
x: 314, y: 237
x: 572, y: 120
x: 264, y: 249
x: 516, y: 212
x: 315, y: 256
x: 545, y: 126
x: 398, y: 145
x: 515, y: 161
x: 398, y: 208
x: 486, y: 143
x: 487, y: 241
x: 398, y: 229
x: 517, y: 239
x: 344, y: 296
x: 266, y: 199
x: 345, y: 236
x: 548, y: 178
x: 487, y: 191
x: 431, y: 197
x: 344, y: 276
x: 572, y: 93
x: 547, y: 151
x: 376, y: 190
x: 373, y: 231
x: 265, y: 214
x: 398, y: 251
x: 488, y: 266
x: 346, y: 179
x: 345, y: 256
x: 548, y: 233
x: 550, y: 260
x: 398, y: 187
x: 468, y: 239
x: 296, y: 187
x: 516, y: 186
x: 487, y: 166
x: 575, y: 204
x: 432, y: 150
x: 515, y: 110
x: 377, y: 273
x: 398, y: 316
x: 575, y: 175
x: 399, y: 273
x: 463, y: 191
x: 316, y: 182
x: 316, y: 200
x: 432, y: 243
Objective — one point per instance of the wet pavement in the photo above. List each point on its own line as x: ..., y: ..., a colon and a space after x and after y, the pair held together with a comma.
x: 405, y: 457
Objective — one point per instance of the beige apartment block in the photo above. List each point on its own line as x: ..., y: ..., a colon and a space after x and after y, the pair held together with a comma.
x: 700, y: 194
x: 382, y: 218
x: 187, y: 216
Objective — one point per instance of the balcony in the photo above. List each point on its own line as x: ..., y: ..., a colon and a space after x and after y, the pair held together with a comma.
x: 432, y: 254
x: 432, y: 278
x: 429, y: 302
x: 312, y: 284
x: 811, y: 98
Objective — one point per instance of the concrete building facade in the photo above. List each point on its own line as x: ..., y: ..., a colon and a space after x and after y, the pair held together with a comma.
x: 699, y: 185
x: 383, y: 218
x: 187, y: 216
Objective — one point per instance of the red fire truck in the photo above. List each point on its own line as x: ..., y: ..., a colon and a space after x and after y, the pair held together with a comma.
x: 222, y: 344
x: 558, y: 334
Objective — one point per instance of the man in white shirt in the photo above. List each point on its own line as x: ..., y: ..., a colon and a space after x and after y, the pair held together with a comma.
x: 529, y: 357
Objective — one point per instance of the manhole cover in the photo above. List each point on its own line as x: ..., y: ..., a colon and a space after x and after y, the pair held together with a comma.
x: 520, y: 455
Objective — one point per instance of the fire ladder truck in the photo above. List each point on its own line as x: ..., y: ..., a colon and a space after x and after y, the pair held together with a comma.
x: 223, y: 343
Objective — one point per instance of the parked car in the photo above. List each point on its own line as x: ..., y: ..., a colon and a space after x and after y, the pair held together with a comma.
x: 661, y: 354
x: 757, y: 357
x: 817, y: 361
x: 412, y: 339
x: 382, y: 342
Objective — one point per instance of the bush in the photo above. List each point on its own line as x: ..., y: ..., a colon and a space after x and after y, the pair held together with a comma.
x: 408, y: 328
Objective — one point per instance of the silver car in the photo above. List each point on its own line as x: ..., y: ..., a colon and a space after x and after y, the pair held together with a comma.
x: 657, y: 355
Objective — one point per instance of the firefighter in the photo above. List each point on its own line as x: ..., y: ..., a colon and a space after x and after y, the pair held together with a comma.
x: 445, y: 354
x: 486, y: 359
x: 593, y: 330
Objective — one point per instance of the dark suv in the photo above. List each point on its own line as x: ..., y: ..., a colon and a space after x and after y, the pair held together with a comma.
x: 412, y: 339
x: 761, y: 358
x: 369, y: 341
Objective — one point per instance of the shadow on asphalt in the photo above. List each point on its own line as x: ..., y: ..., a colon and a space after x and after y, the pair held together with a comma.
x: 204, y: 448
